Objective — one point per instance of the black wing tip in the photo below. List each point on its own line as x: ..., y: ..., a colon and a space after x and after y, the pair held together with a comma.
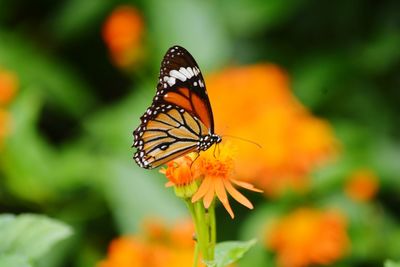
x: 177, y: 47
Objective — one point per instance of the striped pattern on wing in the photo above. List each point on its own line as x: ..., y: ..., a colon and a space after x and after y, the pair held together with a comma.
x: 168, y: 135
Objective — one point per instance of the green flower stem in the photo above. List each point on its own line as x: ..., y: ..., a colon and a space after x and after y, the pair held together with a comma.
x: 213, y: 227
x: 191, y: 209
x: 203, y: 231
x: 205, y: 228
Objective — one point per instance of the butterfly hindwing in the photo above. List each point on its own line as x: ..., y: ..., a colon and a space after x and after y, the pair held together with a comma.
x: 170, y: 133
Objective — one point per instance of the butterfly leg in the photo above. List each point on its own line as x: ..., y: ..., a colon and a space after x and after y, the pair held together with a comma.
x: 197, y: 156
x: 216, y: 149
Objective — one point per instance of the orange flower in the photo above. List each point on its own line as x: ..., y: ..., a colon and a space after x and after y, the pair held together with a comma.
x: 362, y: 185
x: 256, y: 103
x: 180, y: 176
x: 123, y: 34
x: 308, y: 237
x: 159, y: 246
x: 8, y: 86
x: 178, y: 171
x: 217, y: 172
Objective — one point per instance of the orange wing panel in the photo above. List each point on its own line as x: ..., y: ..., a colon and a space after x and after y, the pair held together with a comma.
x: 184, y: 91
x: 201, y: 110
x: 179, y: 100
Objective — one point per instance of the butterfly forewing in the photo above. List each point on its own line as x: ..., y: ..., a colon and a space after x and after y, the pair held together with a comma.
x: 182, y: 83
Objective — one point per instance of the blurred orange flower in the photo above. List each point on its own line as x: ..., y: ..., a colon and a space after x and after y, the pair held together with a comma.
x: 308, y: 237
x: 256, y: 103
x: 123, y: 34
x: 4, y: 124
x: 160, y: 246
x: 362, y: 185
x: 217, y: 171
x: 8, y: 86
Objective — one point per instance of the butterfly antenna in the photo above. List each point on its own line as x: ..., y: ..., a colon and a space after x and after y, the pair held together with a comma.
x: 243, y: 139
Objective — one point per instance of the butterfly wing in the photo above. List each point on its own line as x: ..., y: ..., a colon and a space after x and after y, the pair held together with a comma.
x: 169, y: 134
x: 179, y: 115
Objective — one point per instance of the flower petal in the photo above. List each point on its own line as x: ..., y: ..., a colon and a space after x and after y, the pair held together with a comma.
x: 246, y: 185
x: 221, y: 194
x: 237, y: 195
x: 169, y: 184
x: 203, y: 189
x: 209, y: 197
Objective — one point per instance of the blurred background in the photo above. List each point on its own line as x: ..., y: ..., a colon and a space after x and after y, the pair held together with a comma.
x: 316, y: 83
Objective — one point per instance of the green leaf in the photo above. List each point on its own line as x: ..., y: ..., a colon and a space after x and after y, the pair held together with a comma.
x: 231, y: 251
x: 13, y: 260
x: 30, y: 235
x: 390, y: 263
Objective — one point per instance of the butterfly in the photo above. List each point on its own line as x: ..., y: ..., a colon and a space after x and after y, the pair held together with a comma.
x: 180, y: 119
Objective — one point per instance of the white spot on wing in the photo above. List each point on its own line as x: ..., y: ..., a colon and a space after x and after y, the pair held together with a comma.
x: 185, y: 72
x: 176, y: 74
x: 201, y: 83
x: 189, y: 69
x: 171, y: 81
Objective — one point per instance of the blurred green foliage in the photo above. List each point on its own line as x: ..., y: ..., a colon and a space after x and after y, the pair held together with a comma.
x: 69, y: 154
x: 25, y: 239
